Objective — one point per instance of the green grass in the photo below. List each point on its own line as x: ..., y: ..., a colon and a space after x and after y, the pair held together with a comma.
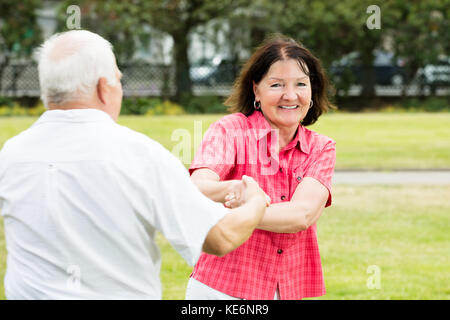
x: 389, y: 140
x: 383, y: 141
x: 403, y: 230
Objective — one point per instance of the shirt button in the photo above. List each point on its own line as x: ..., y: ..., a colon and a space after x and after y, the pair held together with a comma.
x: 283, y: 197
x: 280, y: 251
x: 281, y: 169
x: 299, y: 178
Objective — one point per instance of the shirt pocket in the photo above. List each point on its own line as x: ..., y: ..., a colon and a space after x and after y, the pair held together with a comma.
x: 297, y: 176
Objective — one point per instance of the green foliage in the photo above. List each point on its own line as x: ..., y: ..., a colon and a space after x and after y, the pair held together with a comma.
x: 138, y: 105
x: 131, y: 25
x: 431, y: 104
x: 150, y: 106
x: 6, y: 101
x: 15, y: 110
x: 19, y: 31
x: 166, y: 108
x: 204, y: 104
x: 416, y: 31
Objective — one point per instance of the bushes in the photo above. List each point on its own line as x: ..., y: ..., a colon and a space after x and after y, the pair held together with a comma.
x: 156, y: 106
x: 394, y: 104
x: 130, y: 106
x: 16, y: 110
x: 213, y: 104
x: 165, y: 108
x: 150, y: 106
x: 204, y: 104
x: 432, y: 104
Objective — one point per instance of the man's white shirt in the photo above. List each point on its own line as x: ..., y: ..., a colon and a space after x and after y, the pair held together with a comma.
x: 82, y: 198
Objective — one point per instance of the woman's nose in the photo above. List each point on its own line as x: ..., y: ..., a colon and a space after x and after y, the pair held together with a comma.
x: 289, y: 93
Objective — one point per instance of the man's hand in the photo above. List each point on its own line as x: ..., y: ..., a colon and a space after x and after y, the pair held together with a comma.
x: 243, y: 190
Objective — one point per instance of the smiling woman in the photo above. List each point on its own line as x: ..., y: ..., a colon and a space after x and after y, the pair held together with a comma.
x: 269, y: 64
x: 284, y: 97
x: 281, y: 89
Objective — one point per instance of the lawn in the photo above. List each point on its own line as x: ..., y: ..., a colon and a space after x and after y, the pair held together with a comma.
x: 382, y: 141
x: 401, y: 231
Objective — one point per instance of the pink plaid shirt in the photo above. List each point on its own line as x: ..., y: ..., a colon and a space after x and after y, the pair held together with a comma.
x: 237, y: 145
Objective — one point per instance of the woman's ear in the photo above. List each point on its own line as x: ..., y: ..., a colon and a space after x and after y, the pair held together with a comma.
x: 255, y: 89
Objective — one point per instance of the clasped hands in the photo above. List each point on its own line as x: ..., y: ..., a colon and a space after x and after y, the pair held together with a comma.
x: 241, y: 191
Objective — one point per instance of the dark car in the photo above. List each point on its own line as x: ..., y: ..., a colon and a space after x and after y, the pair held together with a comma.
x: 437, y: 74
x: 217, y: 71
x: 388, y: 69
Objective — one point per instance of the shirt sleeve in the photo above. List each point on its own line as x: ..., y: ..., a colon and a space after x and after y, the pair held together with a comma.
x: 322, y: 167
x: 217, y: 151
x: 179, y: 210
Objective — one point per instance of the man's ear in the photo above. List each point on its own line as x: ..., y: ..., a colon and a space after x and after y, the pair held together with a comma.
x: 102, y: 90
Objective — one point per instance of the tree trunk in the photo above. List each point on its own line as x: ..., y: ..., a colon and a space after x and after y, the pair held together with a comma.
x: 368, y: 81
x: 3, y: 65
x: 183, y: 81
x: 368, y: 74
x: 257, y: 36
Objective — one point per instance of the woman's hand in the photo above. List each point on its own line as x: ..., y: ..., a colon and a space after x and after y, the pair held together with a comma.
x: 240, y: 191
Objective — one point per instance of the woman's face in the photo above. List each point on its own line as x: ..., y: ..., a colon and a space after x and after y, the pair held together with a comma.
x: 284, y: 94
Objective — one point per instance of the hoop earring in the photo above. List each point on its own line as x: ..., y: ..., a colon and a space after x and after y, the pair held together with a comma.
x: 257, y: 105
x: 311, y: 104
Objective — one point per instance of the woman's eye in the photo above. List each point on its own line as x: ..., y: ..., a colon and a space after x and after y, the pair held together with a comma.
x: 301, y: 84
x: 275, y: 85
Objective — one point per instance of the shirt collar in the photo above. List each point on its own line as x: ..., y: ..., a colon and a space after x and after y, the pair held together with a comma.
x: 74, y: 115
x: 300, y: 140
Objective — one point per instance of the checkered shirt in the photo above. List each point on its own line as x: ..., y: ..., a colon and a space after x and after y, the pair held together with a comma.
x: 238, y: 145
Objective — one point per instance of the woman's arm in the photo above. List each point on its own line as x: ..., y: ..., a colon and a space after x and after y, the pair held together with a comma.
x: 208, y: 182
x: 301, y: 212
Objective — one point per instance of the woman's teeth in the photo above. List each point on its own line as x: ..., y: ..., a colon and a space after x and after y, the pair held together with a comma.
x: 288, y: 107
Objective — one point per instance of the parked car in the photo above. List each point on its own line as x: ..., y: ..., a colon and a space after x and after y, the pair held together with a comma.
x: 210, y: 73
x: 388, y: 69
x: 437, y: 74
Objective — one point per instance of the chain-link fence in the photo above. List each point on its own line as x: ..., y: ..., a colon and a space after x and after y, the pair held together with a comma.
x: 143, y: 79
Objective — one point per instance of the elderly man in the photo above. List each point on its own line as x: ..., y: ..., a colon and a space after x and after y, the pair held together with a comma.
x: 82, y: 197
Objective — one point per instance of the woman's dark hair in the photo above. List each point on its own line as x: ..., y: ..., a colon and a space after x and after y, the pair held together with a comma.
x: 273, y: 49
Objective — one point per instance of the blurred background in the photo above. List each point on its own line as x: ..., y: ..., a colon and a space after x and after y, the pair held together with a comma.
x: 389, y: 64
x: 190, y: 52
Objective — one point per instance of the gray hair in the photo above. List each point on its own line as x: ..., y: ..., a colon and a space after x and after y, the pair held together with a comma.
x: 71, y: 63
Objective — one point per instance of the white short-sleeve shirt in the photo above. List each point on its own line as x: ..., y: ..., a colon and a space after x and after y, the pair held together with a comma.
x: 82, y: 198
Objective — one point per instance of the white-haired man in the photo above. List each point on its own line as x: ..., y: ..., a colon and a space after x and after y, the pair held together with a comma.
x: 82, y: 196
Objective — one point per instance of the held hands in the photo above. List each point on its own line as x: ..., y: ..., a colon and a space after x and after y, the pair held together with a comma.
x: 241, y: 191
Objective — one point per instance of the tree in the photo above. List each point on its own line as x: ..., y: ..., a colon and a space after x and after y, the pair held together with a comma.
x: 178, y: 18
x: 420, y: 31
x: 123, y: 22
x: 19, y: 31
x: 331, y: 30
